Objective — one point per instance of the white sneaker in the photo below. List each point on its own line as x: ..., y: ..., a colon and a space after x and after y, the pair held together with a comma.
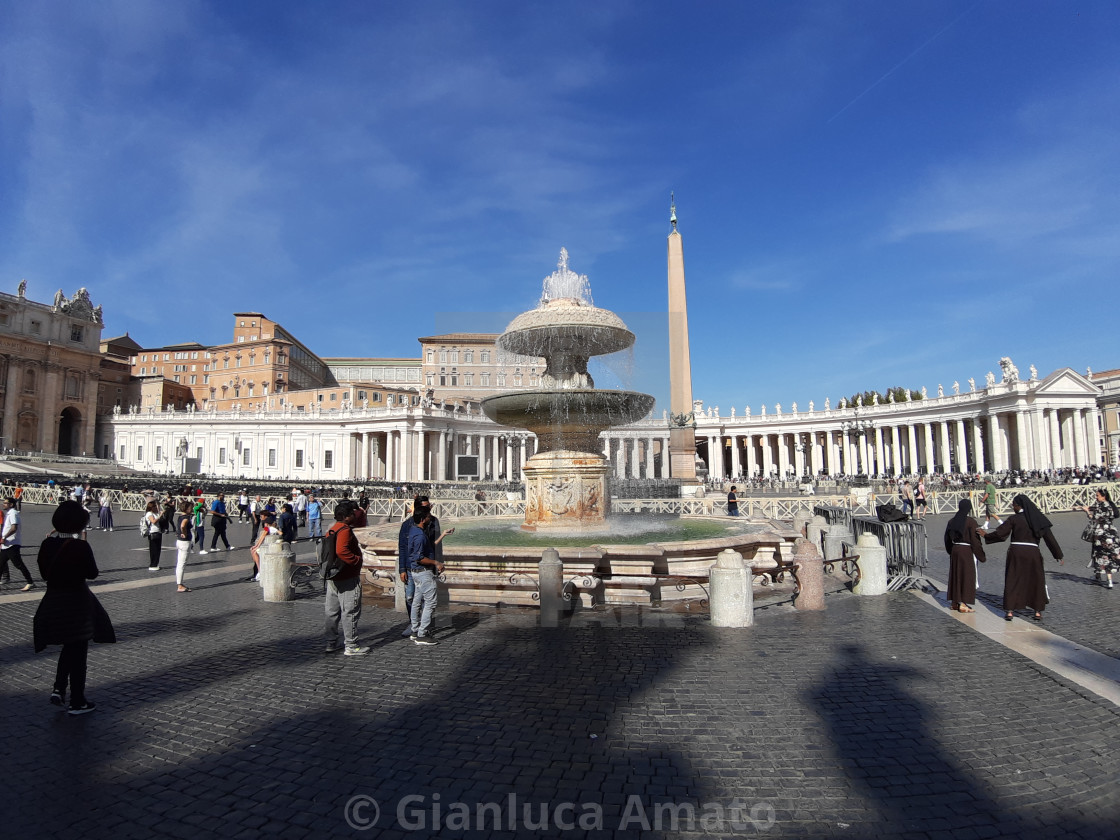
x: 355, y: 650
x: 230, y: 547
x: 257, y: 579
x: 203, y: 551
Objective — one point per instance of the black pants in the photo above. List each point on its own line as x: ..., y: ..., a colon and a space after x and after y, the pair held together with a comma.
x: 256, y: 530
x: 11, y: 555
x: 219, y: 531
x: 72, y: 670
x: 155, y: 545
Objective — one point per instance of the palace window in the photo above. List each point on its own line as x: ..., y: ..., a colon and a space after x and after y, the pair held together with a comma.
x: 328, y: 459
x: 431, y: 357
x: 245, y: 457
x: 140, y: 453
x: 468, y: 379
x: 501, y: 380
x: 443, y: 357
x: 221, y: 455
x: 485, y: 357
x: 272, y: 457
x: 299, y: 458
x: 159, y: 453
x: 468, y: 356
x: 75, y: 332
x: 485, y: 380
x: 454, y: 357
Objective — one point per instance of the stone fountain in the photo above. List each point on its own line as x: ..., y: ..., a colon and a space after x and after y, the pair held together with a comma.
x: 567, y: 480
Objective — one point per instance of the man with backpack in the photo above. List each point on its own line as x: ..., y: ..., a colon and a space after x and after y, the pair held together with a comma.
x: 344, y: 590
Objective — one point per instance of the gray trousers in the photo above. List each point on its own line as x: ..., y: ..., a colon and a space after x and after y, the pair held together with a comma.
x: 344, y: 604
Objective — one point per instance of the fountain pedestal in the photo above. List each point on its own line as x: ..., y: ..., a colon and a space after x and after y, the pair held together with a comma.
x: 566, y: 490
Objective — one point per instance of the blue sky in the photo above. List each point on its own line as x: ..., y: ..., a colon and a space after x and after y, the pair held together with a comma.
x: 870, y: 193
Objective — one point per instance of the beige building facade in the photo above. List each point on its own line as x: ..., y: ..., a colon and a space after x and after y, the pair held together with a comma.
x: 50, y: 366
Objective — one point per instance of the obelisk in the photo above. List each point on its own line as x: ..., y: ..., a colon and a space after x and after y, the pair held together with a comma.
x: 682, y: 427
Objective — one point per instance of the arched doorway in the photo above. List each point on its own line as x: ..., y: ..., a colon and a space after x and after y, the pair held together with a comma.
x: 68, y: 427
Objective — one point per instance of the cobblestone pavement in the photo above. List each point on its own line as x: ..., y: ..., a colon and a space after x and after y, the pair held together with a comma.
x: 220, y: 716
x: 1080, y: 609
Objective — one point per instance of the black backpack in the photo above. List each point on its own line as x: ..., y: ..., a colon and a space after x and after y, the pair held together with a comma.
x: 329, y: 563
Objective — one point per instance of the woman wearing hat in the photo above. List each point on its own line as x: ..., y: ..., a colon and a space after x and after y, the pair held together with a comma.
x: 1024, y: 582
x: 69, y: 614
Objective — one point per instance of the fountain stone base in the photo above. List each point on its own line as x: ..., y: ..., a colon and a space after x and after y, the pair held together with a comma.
x: 566, y: 490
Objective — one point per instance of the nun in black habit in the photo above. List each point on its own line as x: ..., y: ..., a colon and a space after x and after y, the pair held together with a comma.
x: 1024, y: 583
x: 965, y: 546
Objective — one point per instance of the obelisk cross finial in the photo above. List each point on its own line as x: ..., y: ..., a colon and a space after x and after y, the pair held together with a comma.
x: 673, y: 210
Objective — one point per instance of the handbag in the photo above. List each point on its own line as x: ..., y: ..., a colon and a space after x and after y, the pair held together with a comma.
x: 1090, y: 530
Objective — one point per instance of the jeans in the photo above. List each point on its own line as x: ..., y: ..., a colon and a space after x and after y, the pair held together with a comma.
x: 11, y: 555
x: 315, y: 528
x: 423, y: 601
x: 72, y: 669
x: 183, y: 547
x: 344, y: 604
x: 200, y: 537
x: 409, y: 595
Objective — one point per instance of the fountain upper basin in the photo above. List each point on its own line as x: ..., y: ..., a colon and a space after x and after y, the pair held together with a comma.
x: 567, y: 419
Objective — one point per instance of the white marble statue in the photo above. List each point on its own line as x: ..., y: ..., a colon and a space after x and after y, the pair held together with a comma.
x: 764, y: 409
x: 810, y: 406
x: 1010, y: 372
x: 925, y: 393
x: 971, y: 384
x: 732, y: 412
x: 793, y: 408
x: 890, y: 396
x: 875, y: 398
x: 827, y: 405
x: 990, y: 379
x: 777, y: 408
x: 906, y: 394
x: 859, y: 400
x: 1088, y: 372
x: 1034, y: 373
x: 956, y: 387
x: 843, y: 402
x: 747, y: 411
x: 940, y: 390
x: 22, y: 291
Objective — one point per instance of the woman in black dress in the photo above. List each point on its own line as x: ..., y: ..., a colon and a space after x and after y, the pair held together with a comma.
x: 1106, y: 545
x: 965, y: 547
x: 69, y: 614
x: 1024, y: 582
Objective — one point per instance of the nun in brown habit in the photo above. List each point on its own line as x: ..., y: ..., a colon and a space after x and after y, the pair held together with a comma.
x: 964, y: 546
x: 1024, y: 583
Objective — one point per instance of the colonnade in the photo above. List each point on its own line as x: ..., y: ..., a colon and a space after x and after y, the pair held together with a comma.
x: 427, y: 455
x: 1038, y: 439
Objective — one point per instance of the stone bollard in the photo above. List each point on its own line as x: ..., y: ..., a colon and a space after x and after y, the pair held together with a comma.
x: 269, y: 543
x: 801, y: 520
x: 810, y: 576
x: 834, y: 539
x: 872, y: 566
x: 814, y: 531
x: 550, y: 580
x: 731, y: 592
x: 399, y: 603
x: 276, y: 572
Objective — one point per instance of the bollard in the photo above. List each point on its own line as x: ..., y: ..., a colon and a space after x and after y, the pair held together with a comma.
x: 872, y: 566
x: 834, y: 539
x: 801, y: 521
x: 731, y: 592
x: 399, y: 603
x: 550, y: 581
x: 809, y: 571
x: 814, y: 532
x: 276, y: 572
x: 262, y: 552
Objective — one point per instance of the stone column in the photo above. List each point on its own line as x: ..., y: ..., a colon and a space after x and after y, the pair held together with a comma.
x: 946, y: 449
x: 830, y: 452
x: 846, y: 452
x: 441, y: 469
x: 734, y: 456
x: 1093, y: 436
x: 1038, y: 439
x: 872, y: 566
x: 912, y: 451
x: 390, y: 452
x: 649, y: 457
x: 11, y: 403
x: 798, y: 457
x: 880, y: 457
x: 977, y: 446
x: 815, y: 454
x: 1055, y: 438
x: 995, y: 447
x: 48, y: 419
x: 767, y: 457
x: 864, y: 461
x: 961, y: 447
x: 928, y: 464
x: 665, y: 460
x: 783, y: 456
x: 896, y: 451
x: 752, y: 462
x: 1079, y: 448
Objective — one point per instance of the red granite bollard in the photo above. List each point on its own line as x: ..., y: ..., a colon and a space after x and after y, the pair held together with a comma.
x: 809, y: 572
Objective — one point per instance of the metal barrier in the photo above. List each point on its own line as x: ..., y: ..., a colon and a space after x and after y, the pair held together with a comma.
x: 907, y: 548
x: 834, y: 514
